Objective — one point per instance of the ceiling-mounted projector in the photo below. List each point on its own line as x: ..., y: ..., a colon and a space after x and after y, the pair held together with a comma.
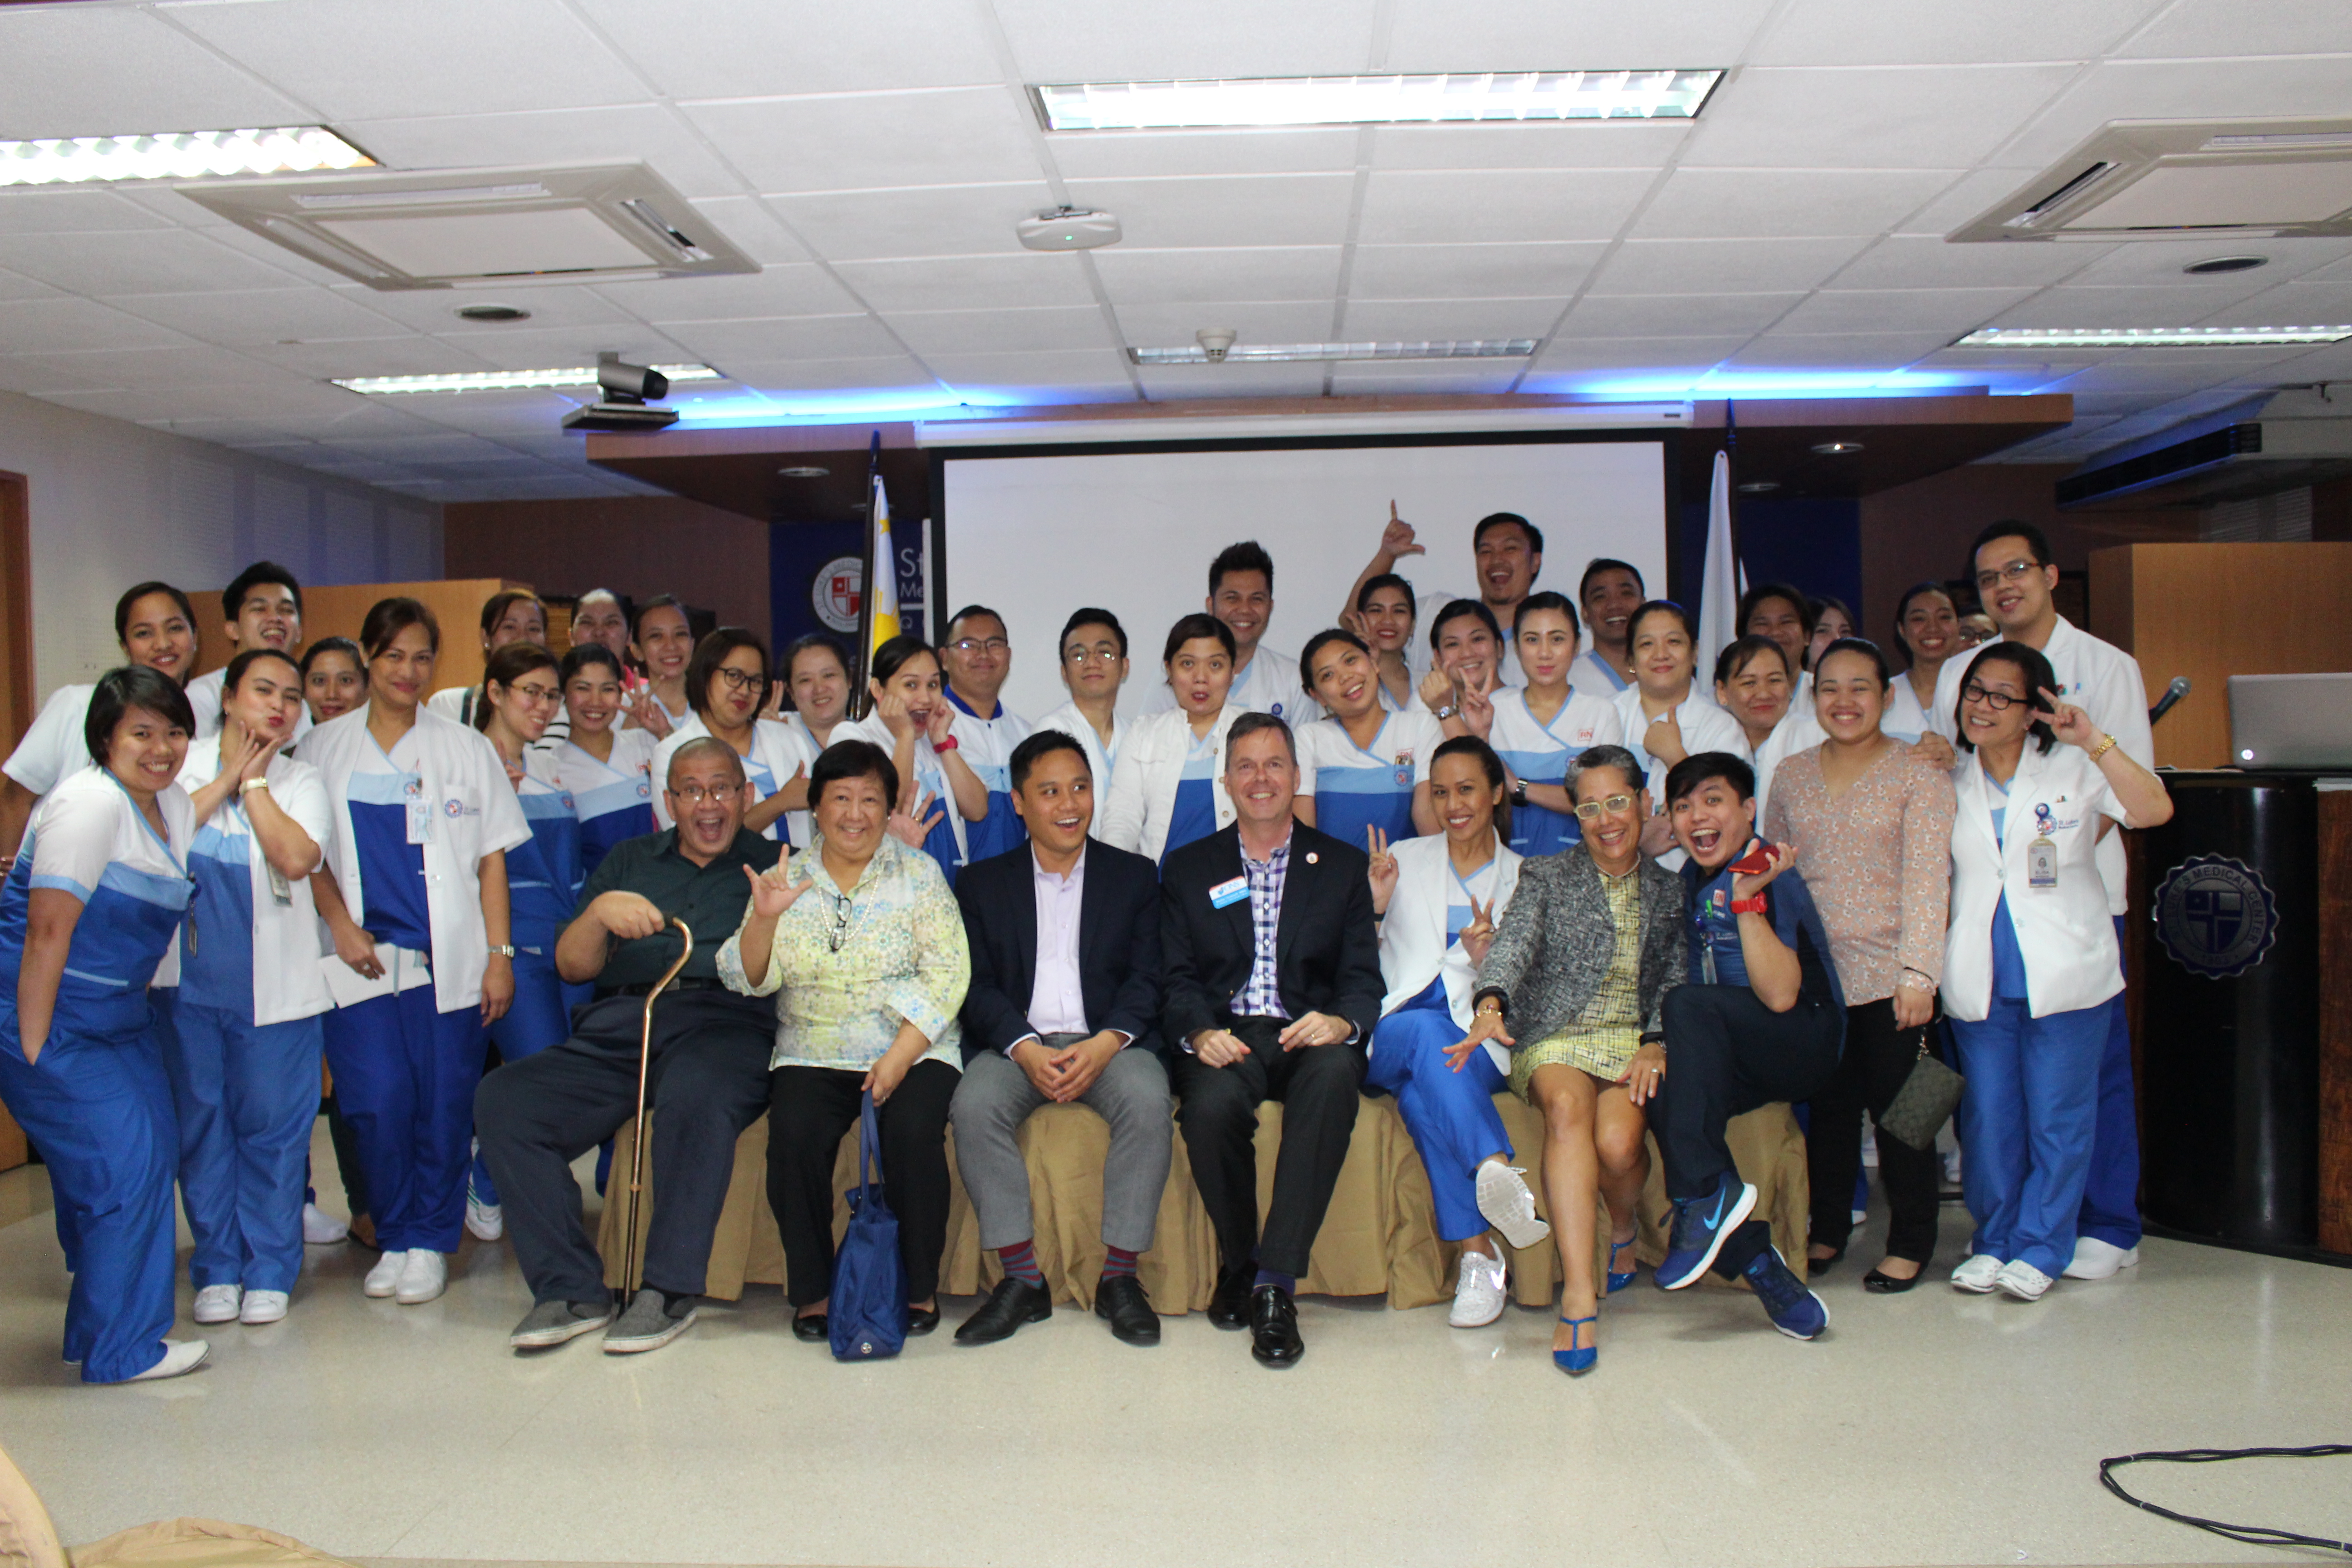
x: 1067, y: 229
x: 627, y: 389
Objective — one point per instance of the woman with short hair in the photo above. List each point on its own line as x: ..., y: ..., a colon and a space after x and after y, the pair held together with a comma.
x: 334, y: 678
x: 1665, y: 715
x: 509, y: 615
x: 727, y: 681
x: 1362, y: 766
x: 913, y: 724
x: 661, y: 639
x: 1169, y: 786
x: 860, y: 941
x: 606, y: 769
x: 1756, y: 682
x: 1383, y: 617
x: 1928, y: 625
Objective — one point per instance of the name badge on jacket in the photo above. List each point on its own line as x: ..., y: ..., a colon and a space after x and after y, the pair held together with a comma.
x: 1226, y: 893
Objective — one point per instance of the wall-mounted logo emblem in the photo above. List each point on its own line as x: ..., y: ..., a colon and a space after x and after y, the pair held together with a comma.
x: 2215, y: 916
x: 835, y: 595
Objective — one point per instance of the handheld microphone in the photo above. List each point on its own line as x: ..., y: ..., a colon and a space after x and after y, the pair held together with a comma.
x: 2172, y: 694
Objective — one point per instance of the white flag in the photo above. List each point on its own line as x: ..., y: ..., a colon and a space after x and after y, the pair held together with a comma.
x: 1721, y: 580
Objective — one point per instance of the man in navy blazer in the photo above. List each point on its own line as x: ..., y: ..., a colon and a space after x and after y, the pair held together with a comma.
x: 1273, y: 971
x: 1063, y: 1006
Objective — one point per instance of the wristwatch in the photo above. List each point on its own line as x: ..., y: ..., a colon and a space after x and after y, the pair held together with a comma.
x: 950, y: 744
x: 249, y: 786
x: 1754, y: 906
x: 502, y: 950
x: 1519, y: 792
x: 1442, y: 714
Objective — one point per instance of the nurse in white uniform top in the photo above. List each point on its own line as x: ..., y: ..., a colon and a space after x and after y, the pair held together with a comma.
x: 1754, y: 682
x: 728, y: 681
x: 1241, y: 595
x: 1609, y: 593
x: 1168, y: 786
x: 1093, y: 657
x: 815, y: 672
x: 415, y: 897
x: 156, y: 629
x: 1384, y: 618
x: 913, y: 721
x: 246, y: 1036
x: 1362, y: 768
x: 974, y: 660
x: 1506, y: 554
x: 663, y: 643
x: 1783, y: 613
x: 334, y: 678
x: 261, y: 608
x: 513, y: 614
x: 1928, y: 626
x: 1665, y: 716
x: 607, y: 771
x: 1539, y: 729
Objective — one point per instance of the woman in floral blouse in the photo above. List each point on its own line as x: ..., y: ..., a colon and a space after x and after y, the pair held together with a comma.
x: 860, y: 943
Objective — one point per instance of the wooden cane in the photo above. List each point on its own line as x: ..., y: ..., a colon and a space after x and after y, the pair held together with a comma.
x: 629, y: 1260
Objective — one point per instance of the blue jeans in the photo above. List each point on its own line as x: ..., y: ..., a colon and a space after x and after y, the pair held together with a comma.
x: 1450, y: 1115
x: 2027, y: 1120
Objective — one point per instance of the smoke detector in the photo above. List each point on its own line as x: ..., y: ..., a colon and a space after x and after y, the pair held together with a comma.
x: 2186, y: 179
x: 1067, y: 229
x: 1215, y: 342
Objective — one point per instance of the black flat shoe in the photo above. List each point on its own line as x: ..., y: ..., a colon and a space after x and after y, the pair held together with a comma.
x: 922, y: 1320
x: 1274, y: 1327
x: 813, y: 1327
x: 1121, y: 1303
x: 1013, y: 1303
x: 1229, y: 1305
x: 1880, y: 1284
x: 1817, y: 1266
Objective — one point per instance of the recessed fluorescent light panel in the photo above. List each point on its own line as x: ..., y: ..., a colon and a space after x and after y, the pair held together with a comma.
x: 2150, y: 337
x: 1474, y: 348
x: 507, y: 380
x: 177, y: 155
x: 1463, y: 96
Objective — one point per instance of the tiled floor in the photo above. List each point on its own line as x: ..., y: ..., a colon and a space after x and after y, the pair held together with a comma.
x: 1926, y: 1428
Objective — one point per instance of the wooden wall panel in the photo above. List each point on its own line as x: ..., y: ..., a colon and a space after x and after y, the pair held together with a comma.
x: 640, y: 546
x: 2335, y: 1022
x: 2211, y: 611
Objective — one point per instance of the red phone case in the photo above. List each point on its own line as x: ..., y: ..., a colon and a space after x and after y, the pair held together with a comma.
x: 1759, y: 858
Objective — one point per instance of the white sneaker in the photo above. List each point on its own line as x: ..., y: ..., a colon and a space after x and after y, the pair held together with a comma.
x: 263, y: 1307
x: 2022, y: 1280
x: 384, y: 1278
x: 484, y: 1222
x: 179, y: 1356
x: 320, y: 1229
x: 2097, y: 1259
x: 1976, y: 1275
x: 1505, y: 1204
x: 1478, y: 1296
x: 218, y: 1303
x: 423, y: 1276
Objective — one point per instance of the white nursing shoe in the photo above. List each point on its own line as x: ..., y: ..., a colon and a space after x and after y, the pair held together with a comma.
x: 2097, y: 1259
x: 218, y: 1303
x: 320, y: 1229
x: 384, y: 1278
x: 423, y: 1276
x: 263, y: 1307
x: 179, y: 1356
x: 1976, y: 1275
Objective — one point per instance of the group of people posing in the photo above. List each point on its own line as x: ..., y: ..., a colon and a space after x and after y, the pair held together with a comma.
x: 1430, y: 858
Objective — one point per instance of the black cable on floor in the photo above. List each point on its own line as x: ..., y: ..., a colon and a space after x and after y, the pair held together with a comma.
x: 2252, y: 1534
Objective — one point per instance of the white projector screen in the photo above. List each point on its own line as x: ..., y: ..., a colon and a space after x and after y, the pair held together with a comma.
x: 1037, y: 537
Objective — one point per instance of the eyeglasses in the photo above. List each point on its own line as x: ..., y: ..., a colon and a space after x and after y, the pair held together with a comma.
x: 719, y: 795
x: 1103, y: 653
x: 537, y: 693
x: 2013, y: 572
x: 1999, y: 701
x: 1590, y: 809
x: 840, y: 912
x: 980, y: 645
x: 740, y: 680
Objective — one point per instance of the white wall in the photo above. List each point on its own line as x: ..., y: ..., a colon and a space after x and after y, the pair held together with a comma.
x: 115, y: 503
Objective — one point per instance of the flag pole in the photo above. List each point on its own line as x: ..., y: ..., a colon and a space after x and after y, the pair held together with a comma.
x: 861, y: 661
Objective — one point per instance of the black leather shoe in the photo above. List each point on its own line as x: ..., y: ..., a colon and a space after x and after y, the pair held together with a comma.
x: 1121, y: 1302
x: 1013, y: 1303
x: 922, y: 1320
x: 810, y: 1328
x: 1229, y: 1304
x: 1274, y: 1327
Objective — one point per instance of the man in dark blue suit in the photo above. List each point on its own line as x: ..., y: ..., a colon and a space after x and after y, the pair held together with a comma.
x: 1064, y: 1005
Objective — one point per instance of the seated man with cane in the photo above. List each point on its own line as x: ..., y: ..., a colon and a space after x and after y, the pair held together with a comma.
x: 707, y: 1077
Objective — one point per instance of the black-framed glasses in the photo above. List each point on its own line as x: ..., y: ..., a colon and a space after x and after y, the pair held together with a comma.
x: 738, y: 679
x: 2013, y: 572
x: 980, y: 645
x: 1588, y: 810
x: 695, y: 794
x: 1999, y: 701
x: 842, y: 909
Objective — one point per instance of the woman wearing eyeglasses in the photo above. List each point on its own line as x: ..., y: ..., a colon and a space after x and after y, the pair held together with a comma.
x: 727, y: 682
x: 861, y: 943
x: 2030, y: 961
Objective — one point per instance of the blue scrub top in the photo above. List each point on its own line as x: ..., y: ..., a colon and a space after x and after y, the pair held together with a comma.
x: 127, y: 924
x: 611, y: 813
x: 1195, y: 812
x: 2008, y: 958
x: 1002, y: 829
x: 392, y: 870
x: 216, y: 946
x: 543, y: 876
x: 1370, y: 790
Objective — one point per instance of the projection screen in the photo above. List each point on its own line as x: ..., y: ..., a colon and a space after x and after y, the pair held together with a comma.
x: 1034, y: 537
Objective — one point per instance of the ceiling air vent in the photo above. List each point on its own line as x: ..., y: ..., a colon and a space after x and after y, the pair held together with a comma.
x: 2184, y: 179
x: 486, y: 227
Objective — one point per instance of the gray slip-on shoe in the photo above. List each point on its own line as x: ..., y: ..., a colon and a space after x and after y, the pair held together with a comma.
x: 552, y: 1322
x: 647, y: 1325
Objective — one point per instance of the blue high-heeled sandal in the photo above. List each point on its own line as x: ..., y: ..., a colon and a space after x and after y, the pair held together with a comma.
x: 1618, y: 1281
x: 1578, y: 1361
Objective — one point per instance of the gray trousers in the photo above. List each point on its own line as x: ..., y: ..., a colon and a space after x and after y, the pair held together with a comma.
x: 997, y: 1097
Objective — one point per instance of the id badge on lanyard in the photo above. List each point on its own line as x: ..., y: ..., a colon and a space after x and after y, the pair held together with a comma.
x: 420, y: 810
x: 2042, y: 855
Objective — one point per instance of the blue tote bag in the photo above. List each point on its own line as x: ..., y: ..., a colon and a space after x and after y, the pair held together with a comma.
x: 868, y: 1304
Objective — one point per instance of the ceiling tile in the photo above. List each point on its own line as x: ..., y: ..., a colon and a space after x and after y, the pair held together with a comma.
x: 1169, y: 381
x: 755, y: 229
x: 613, y: 133
x: 1116, y: 40
x: 384, y: 60
x: 936, y: 220
x: 790, y: 337
x: 2115, y: 306
x: 1729, y: 204
x: 107, y: 70
x: 2192, y: 29
x: 1636, y: 354
x: 1555, y: 144
x: 342, y: 359
x: 1949, y: 312
x: 1188, y: 277
x: 167, y: 261
x: 746, y: 49
x: 972, y: 373
x: 550, y: 304
x: 1909, y: 118
x: 779, y: 376
x: 1260, y: 321
x: 1232, y: 210
x: 33, y: 209
x: 970, y: 282
x: 2159, y: 261
x: 2288, y: 305
x: 862, y: 141
x: 1544, y: 34
x: 1449, y: 207
x: 1870, y: 33
x: 62, y: 325
x: 935, y: 332
x: 1742, y: 265
x: 1144, y: 154
x: 1838, y: 350
x: 16, y: 286
x: 554, y: 348
x: 1915, y: 262
x: 1470, y: 272
x: 141, y: 370
x: 1425, y: 321
x: 803, y: 290
x: 1676, y: 315
x: 262, y: 316
x: 503, y: 414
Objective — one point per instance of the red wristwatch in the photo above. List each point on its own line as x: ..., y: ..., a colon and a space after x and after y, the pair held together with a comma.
x: 1754, y: 906
x: 950, y: 744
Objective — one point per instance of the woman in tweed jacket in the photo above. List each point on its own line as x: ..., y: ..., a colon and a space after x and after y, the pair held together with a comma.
x: 1574, y: 984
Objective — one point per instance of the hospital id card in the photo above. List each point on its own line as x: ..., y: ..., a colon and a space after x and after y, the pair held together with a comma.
x: 420, y: 810
x: 1225, y: 894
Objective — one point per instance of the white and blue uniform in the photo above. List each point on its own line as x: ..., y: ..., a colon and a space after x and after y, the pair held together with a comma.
x: 1168, y: 787
x: 1539, y: 753
x: 246, y: 1035
x: 53, y: 748
x: 1593, y: 673
x: 1101, y: 760
x: 1705, y: 726
x: 802, y: 826
x: 1355, y: 787
x: 987, y: 747
x: 948, y: 843
x: 204, y: 697
x: 614, y: 798
x: 778, y: 751
x: 1905, y: 718
x: 412, y: 826
x: 1421, y: 656
x: 1268, y: 683
x: 99, y: 1102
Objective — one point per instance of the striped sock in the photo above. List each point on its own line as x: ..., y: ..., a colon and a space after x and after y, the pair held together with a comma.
x: 1119, y: 1263
x: 1020, y: 1262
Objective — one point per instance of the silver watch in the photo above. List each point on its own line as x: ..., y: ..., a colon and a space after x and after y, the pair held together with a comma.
x: 503, y: 950
x: 1448, y: 711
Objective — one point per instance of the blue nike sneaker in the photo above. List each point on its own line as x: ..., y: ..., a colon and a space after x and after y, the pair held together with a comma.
x: 1794, y: 1311
x: 1700, y: 1226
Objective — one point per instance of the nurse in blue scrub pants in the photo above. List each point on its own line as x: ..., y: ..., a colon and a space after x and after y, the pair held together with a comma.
x: 1362, y: 766
x: 913, y: 721
x: 414, y: 896
x: 244, y: 1048
x: 522, y: 692
x: 89, y: 916
x: 607, y: 772
x: 977, y: 658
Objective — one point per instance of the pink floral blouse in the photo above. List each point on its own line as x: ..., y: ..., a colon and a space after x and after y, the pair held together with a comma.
x: 1877, y: 862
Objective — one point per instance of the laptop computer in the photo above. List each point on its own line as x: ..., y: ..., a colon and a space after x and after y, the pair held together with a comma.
x: 2291, y: 721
